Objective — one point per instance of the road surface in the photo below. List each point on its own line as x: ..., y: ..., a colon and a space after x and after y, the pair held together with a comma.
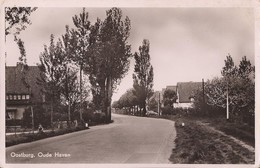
x: 129, y: 139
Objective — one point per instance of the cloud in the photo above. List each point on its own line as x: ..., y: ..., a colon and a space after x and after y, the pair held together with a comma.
x: 187, y: 44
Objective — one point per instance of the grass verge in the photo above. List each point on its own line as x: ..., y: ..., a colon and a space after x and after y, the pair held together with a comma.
x: 197, y: 144
x: 29, y: 137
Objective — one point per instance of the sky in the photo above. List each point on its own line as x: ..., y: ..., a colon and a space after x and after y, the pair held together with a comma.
x: 186, y: 44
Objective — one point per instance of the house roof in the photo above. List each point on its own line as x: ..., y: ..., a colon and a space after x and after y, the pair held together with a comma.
x: 186, y: 90
x: 171, y: 88
x: 19, y: 80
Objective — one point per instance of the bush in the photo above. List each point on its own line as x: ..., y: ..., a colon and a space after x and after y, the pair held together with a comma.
x: 23, y: 138
x: 13, y: 122
x: 40, y: 117
x: 168, y: 110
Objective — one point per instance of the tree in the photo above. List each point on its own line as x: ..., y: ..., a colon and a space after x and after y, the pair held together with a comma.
x: 229, y: 70
x: 128, y: 101
x: 53, y: 72
x: 109, y: 54
x: 236, y: 85
x: 153, y: 104
x: 169, y: 97
x: 246, y: 70
x: 69, y: 89
x: 71, y: 92
x: 143, y: 75
x: 17, y: 18
x: 79, y: 42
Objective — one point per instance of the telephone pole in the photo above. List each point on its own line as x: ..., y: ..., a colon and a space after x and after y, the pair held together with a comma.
x: 159, y: 104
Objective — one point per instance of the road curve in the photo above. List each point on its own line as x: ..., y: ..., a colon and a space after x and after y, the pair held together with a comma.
x: 129, y: 139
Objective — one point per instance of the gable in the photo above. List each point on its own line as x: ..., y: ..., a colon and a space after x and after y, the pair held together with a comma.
x: 187, y: 90
x: 23, y: 81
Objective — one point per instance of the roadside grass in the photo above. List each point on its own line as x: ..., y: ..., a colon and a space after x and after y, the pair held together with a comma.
x: 11, y: 140
x: 198, y: 144
x: 242, y: 132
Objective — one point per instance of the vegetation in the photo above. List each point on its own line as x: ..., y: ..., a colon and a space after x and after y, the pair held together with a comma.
x: 99, y: 51
x: 143, y: 76
x: 16, y: 20
x: 169, y: 97
x: 197, y: 144
x: 109, y: 57
x: 237, y: 84
x: 29, y: 137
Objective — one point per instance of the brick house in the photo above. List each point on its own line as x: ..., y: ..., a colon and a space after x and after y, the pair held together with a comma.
x: 22, y: 90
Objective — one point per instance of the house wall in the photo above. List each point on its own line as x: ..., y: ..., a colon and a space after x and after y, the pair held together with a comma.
x: 182, y: 105
x: 19, y: 111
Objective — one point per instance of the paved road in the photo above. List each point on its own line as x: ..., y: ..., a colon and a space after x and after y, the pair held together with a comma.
x: 129, y: 139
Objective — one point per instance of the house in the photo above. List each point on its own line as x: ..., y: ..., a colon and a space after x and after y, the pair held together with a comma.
x: 22, y: 90
x: 185, y: 93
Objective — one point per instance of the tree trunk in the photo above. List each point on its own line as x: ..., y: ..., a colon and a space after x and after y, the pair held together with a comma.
x: 144, y: 109
x: 69, y: 115
x: 103, y: 98
x: 52, y: 112
x: 109, y: 97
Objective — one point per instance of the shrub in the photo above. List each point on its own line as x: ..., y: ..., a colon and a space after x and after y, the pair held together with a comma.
x: 168, y: 110
x: 13, y: 122
x: 40, y: 117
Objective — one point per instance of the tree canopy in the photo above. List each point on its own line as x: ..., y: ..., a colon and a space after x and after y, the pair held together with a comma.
x: 143, y: 75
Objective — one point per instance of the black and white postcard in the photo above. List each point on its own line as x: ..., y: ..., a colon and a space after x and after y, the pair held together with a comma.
x: 129, y: 84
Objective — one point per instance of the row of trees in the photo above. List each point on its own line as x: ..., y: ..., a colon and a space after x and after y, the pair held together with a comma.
x: 234, y: 91
x: 136, y: 99
x: 232, y: 94
x: 99, y: 51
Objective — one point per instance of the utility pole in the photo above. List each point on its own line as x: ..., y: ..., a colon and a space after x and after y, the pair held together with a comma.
x: 203, y: 96
x: 227, y: 104
x: 159, y: 104
x: 203, y: 91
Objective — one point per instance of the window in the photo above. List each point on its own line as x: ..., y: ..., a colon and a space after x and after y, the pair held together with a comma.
x: 7, y: 97
x: 27, y: 97
x: 19, y: 97
x: 11, y: 97
x: 23, y: 97
x: 15, y: 97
